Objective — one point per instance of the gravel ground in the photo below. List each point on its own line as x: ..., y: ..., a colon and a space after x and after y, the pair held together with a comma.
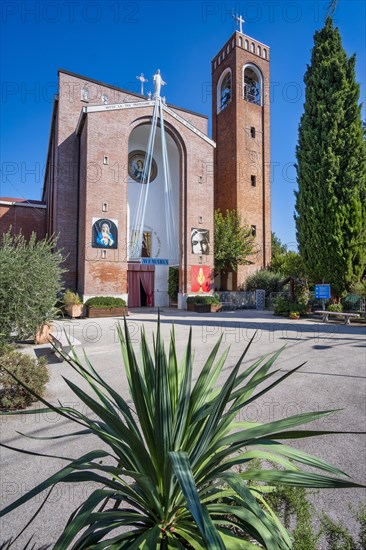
x: 333, y: 377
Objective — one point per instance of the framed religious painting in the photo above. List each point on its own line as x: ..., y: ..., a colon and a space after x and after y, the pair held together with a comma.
x: 136, y: 165
x: 200, y: 241
x: 104, y: 233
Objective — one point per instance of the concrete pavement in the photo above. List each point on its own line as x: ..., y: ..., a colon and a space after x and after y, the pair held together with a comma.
x: 333, y: 377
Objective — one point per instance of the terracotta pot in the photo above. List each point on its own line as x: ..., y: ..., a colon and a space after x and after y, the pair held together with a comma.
x: 42, y: 334
x: 106, y: 312
x: 75, y: 310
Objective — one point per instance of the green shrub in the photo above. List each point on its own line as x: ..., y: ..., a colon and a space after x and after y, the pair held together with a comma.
x: 100, y: 302
x: 302, y: 293
x: 206, y: 300
x: 335, y: 307
x: 264, y: 280
x: 359, y: 288
x: 284, y: 308
x: 30, y: 280
x: 31, y: 372
x: 71, y: 298
x: 167, y: 464
x: 173, y: 283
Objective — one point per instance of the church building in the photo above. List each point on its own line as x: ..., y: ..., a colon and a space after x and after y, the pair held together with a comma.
x: 132, y: 182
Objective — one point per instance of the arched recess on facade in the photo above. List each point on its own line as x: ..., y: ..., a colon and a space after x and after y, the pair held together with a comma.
x: 138, y: 139
x: 224, y: 91
x: 252, y: 84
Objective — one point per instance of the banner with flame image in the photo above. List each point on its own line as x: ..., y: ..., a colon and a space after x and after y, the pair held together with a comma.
x: 201, y: 278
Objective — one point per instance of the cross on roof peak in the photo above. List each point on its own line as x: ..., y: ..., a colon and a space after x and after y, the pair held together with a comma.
x: 239, y: 20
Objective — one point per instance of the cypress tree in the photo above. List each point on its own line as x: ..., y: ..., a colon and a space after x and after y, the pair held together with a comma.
x: 331, y: 167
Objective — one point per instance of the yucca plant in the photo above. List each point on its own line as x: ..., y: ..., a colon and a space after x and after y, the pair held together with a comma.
x: 177, y: 472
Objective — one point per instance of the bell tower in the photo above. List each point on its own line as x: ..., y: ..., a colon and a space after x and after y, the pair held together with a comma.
x: 241, y: 130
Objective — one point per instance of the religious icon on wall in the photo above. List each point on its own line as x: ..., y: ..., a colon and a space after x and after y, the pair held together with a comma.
x: 146, y: 245
x: 136, y: 164
x: 200, y: 278
x: 105, y: 233
x: 200, y: 241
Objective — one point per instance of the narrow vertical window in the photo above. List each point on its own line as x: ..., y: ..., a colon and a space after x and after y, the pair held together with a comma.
x: 253, y: 180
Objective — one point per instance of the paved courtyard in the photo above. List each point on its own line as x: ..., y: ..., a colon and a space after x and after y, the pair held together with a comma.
x: 332, y: 378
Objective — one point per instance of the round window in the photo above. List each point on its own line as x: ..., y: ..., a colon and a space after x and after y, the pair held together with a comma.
x: 136, y: 164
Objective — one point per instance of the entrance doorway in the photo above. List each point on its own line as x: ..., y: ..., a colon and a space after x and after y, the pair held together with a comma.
x: 140, y: 284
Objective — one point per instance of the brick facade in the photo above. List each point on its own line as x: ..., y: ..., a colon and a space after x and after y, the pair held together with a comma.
x: 238, y: 155
x: 78, y: 183
x: 23, y: 216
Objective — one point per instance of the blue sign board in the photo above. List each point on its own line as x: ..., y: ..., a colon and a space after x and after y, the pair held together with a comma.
x: 154, y: 261
x: 322, y: 291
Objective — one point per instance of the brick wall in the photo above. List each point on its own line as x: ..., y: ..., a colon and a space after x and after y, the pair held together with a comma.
x: 22, y: 218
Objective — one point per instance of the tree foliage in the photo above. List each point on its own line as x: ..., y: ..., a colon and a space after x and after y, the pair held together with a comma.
x: 30, y: 279
x: 264, y: 280
x: 279, y: 252
x: 331, y: 167
x: 234, y: 242
x: 286, y: 262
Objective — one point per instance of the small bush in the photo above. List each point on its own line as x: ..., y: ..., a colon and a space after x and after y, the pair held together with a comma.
x: 302, y: 293
x: 100, y: 302
x: 284, y: 308
x: 207, y: 300
x: 71, y: 298
x: 264, y: 280
x: 173, y: 283
x: 31, y: 372
x: 30, y: 281
x: 335, y: 307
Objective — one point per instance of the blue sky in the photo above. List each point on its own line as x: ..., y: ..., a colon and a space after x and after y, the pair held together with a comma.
x: 113, y: 41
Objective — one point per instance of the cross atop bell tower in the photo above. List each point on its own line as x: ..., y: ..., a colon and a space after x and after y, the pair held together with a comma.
x: 241, y: 130
x: 239, y: 20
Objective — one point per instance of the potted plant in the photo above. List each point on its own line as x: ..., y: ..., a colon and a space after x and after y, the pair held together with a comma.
x: 203, y: 304
x: 42, y: 335
x: 106, y: 306
x: 73, y: 304
x: 216, y: 305
x: 294, y: 315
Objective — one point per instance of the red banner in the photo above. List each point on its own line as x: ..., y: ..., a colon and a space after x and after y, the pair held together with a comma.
x: 201, y: 278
